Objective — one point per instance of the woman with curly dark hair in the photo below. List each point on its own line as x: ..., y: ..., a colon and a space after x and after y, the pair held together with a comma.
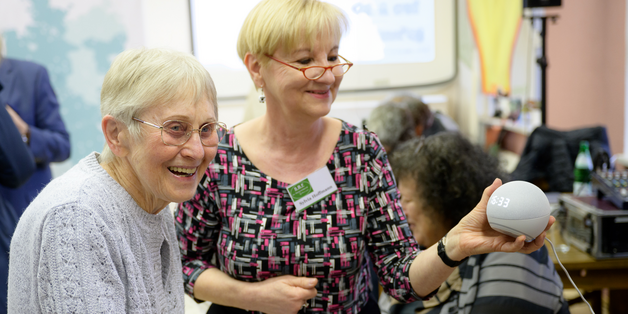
x: 440, y: 179
x: 447, y: 174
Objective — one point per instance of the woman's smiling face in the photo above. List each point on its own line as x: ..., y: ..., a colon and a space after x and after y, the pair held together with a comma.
x: 289, y: 90
x: 171, y: 173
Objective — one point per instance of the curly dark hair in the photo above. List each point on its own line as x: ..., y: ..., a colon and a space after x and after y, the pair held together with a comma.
x: 450, y: 174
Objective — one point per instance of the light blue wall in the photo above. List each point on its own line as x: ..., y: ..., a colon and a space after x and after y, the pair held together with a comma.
x: 77, y: 52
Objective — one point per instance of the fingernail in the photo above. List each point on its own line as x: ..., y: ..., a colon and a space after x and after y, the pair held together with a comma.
x: 313, y: 282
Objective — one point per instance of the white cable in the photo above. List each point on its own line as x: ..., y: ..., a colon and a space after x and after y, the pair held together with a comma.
x: 566, y: 272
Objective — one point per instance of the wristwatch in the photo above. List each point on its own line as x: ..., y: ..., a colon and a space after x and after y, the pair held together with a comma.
x: 443, y: 255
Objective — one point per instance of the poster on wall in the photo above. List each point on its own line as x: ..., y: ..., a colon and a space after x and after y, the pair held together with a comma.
x: 76, y: 40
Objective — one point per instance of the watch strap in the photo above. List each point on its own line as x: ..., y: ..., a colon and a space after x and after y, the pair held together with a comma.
x: 443, y: 255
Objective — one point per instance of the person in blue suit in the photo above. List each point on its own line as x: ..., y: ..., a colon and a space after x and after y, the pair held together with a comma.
x: 34, y: 109
x: 16, y: 167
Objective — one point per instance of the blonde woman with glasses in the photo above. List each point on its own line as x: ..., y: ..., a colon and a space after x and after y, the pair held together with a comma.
x: 100, y: 239
x: 296, y: 201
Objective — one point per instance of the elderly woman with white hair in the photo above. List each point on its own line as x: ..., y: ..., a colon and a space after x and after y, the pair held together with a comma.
x: 100, y: 237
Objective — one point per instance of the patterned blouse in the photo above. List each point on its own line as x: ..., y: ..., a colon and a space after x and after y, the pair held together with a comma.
x: 245, y: 222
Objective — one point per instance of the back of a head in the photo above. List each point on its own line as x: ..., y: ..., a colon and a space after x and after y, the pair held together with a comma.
x: 289, y: 23
x: 139, y: 79
x: 421, y: 113
x: 392, y: 123
x: 450, y: 173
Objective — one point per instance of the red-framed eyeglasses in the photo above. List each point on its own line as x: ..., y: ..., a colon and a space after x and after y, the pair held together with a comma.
x: 316, y: 71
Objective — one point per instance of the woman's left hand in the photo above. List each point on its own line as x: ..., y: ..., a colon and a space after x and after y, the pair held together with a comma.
x: 473, y: 234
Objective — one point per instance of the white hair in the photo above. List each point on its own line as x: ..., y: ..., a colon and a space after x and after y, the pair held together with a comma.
x: 139, y: 79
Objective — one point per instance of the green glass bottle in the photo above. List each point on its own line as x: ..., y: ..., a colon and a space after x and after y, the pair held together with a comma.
x: 582, y: 171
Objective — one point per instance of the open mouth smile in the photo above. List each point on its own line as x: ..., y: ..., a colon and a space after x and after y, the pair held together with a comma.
x: 182, y: 172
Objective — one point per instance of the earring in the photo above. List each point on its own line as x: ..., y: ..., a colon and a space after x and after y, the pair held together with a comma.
x: 262, y: 97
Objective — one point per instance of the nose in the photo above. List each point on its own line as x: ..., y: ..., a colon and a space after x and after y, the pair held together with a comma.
x: 327, y: 78
x: 193, y: 148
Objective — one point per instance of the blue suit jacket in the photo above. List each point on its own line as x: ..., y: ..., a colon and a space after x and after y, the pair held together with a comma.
x: 28, y: 91
x: 16, y: 166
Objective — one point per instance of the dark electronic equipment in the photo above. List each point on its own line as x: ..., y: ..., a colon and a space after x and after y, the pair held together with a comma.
x: 612, y: 185
x: 541, y: 3
x: 594, y: 226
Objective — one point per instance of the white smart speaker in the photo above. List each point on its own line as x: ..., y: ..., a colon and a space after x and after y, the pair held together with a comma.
x: 518, y: 208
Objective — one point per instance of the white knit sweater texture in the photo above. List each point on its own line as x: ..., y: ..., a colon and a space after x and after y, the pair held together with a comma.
x: 85, y: 246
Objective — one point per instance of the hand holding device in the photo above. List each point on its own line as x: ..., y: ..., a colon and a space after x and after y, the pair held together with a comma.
x: 521, y: 208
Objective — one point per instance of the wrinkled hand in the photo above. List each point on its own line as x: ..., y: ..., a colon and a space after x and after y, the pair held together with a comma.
x: 284, y: 294
x: 22, y: 127
x: 473, y: 234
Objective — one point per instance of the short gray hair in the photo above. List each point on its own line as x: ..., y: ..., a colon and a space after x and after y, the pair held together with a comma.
x: 139, y: 79
x: 392, y: 122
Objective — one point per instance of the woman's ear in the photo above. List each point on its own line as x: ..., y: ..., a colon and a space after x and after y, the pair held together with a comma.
x: 254, y: 66
x: 115, y: 135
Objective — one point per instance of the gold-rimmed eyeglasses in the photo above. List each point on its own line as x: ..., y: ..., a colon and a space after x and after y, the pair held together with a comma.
x: 316, y: 71
x: 177, y: 133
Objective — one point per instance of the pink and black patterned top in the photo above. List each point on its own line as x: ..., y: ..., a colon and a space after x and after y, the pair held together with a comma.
x: 246, y: 221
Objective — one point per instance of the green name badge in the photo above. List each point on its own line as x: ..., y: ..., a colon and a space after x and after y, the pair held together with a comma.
x: 300, y: 190
x: 312, y: 189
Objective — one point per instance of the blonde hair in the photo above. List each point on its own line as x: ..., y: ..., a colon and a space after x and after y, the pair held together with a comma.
x: 288, y: 23
x: 139, y: 79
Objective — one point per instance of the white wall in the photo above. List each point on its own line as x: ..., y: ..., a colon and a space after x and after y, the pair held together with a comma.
x: 167, y: 24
